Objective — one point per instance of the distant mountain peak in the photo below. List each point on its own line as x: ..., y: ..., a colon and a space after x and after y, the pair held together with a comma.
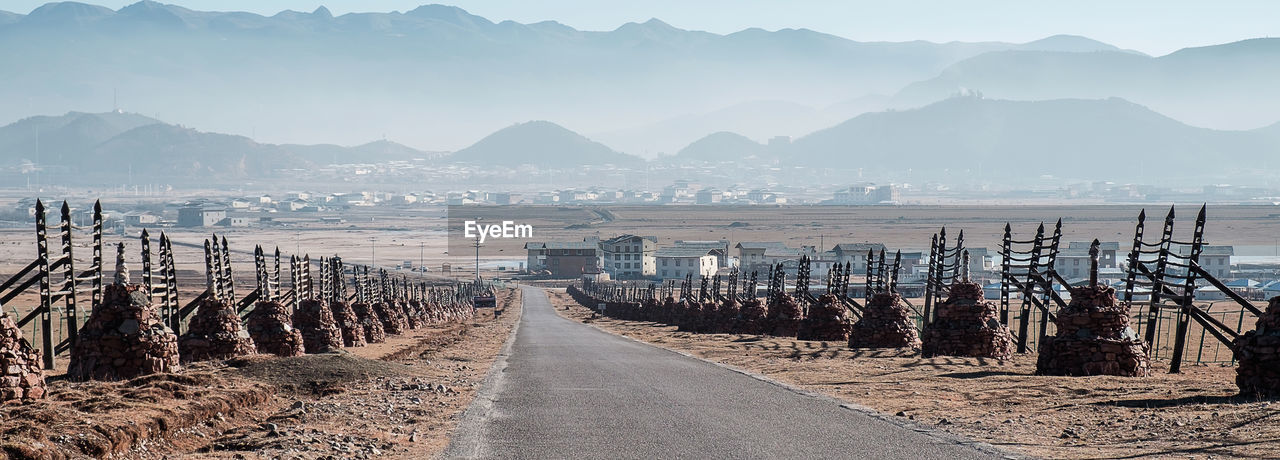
x: 68, y: 12
x: 322, y: 12
x: 447, y: 13
x: 543, y: 143
x: 1069, y: 43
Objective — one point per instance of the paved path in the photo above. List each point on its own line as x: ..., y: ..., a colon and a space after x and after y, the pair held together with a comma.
x: 568, y: 390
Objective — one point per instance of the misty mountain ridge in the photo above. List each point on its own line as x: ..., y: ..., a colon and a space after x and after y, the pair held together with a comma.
x: 1102, y: 139
x: 1220, y: 86
x: 119, y: 142
x: 541, y: 143
x: 437, y: 76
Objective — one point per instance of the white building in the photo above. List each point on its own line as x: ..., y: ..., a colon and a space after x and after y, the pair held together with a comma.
x: 677, y: 262
x: 629, y: 256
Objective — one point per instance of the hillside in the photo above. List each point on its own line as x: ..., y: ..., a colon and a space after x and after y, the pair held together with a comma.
x: 722, y: 146
x: 1109, y: 139
x: 96, y: 145
x: 1214, y: 86
x: 540, y: 143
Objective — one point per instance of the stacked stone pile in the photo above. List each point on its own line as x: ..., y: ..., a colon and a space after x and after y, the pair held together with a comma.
x: 1259, y: 354
x: 411, y: 318
x: 373, y: 331
x: 827, y: 320
x: 726, y: 317
x: 784, y: 317
x: 886, y: 323
x: 691, y: 316
x: 752, y: 317
x: 345, y: 318
x: 315, y: 321
x: 123, y: 338
x: 966, y: 325
x: 21, y: 372
x: 393, y: 320
x: 649, y: 310
x: 1094, y: 338
x: 272, y: 330
x: 215, y: 333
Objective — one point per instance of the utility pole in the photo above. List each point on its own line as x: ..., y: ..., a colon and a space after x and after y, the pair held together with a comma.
x: 477, y: 246
x: 372, y: 259
x: 422, y: 255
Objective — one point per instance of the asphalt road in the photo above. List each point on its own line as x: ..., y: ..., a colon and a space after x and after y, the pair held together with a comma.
x: 568, y: 390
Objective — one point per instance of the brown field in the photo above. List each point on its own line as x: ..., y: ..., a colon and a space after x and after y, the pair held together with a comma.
x: 896, y: 226
x: 1194, y: 414
x: 399, y: 399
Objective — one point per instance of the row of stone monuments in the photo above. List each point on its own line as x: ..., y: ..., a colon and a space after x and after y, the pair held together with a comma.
x: 125, y: 337
x: 1093, y: 338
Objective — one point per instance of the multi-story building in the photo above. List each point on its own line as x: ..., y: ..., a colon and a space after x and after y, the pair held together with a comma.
x: 563, y: 259
x: 1074, y: 260
x: 855, y: 254
x: 1214, y: 259
x: 629, y: 256
x: 719, y: 248
x: 751, y: 255
x: 676, y: 262
x: 201, y: 215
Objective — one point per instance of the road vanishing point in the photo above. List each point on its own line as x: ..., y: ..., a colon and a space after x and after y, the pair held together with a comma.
x: 566, y: 390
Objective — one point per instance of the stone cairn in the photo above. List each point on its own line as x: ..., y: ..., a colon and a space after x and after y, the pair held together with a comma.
x: 1259, y: 354
x: 320, y: 332
x: 966, y: 325
x: 21, y: 372
x: 411, y: 315
x: 392, y: 318
x: 726, y: 315
x: 1094, y: 338
x: 886, y: 323
x: 784, y: 316
x: 272, y: 330
x: 123, y: 337
x: 347, y: 321
x: 215, y: 333
x: 827, y: 320
x: 373, y: 331
x: 752, y: 317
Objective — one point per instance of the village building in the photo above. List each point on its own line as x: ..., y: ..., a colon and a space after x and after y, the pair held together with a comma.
x: 629, y: 256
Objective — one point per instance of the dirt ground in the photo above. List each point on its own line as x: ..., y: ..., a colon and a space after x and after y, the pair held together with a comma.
x: 1195, y: 414
x: 399, y: 399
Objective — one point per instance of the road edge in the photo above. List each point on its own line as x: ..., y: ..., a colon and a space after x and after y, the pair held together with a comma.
x: 464, y: 442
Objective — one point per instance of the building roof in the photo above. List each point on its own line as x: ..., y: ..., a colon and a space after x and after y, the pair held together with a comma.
x: 628, y: 237
x: 857, y: 248
x: 722, y: 245
x: 561, y: 245
x: 759, y: 245
x: 682, y: 252
x: 1208, y: 250
x: 1244, y: 283
x: 1104, y: 245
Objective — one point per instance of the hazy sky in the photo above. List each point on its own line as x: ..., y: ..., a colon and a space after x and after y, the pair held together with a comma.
x: 1151, y: 26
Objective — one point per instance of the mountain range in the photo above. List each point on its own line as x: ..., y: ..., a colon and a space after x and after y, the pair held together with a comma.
x: 318, y: 87
x: 1092, y: 139
x: 437, y: 77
